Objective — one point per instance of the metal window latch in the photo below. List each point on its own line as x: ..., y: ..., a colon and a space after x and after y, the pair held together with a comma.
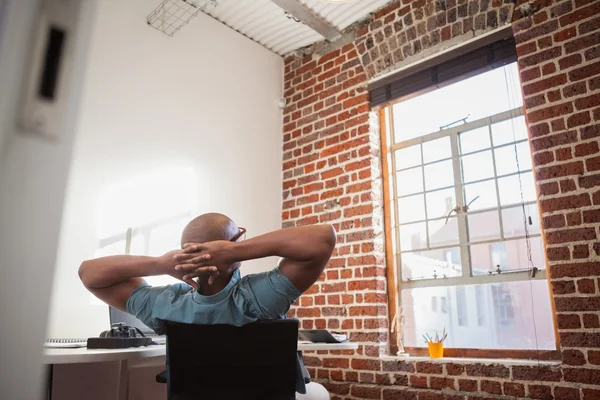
x: 463, y: 120
x: 534, y: 271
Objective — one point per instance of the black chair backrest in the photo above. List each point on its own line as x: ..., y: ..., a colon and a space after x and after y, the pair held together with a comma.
x: 253, y: 362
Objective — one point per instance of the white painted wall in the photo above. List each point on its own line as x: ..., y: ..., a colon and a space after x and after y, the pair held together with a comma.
x: 33, y: 178
x: 205, y: 98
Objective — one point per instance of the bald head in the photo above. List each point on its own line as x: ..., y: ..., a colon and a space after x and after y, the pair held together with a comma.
x: 208, y: 228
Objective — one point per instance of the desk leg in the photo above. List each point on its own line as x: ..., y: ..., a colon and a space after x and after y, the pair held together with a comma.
x: 49, y: 378
x: 123, y: 384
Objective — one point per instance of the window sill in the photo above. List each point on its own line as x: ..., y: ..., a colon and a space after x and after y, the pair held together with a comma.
x: 472, y: 360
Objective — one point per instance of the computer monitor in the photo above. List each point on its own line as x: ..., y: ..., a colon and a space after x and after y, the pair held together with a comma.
x: 128, y: 319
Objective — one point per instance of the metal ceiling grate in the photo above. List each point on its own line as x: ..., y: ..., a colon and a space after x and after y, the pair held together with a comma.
x: 171, y: 15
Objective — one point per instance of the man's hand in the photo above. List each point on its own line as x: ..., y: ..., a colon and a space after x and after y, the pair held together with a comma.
x: 170, y: 261
x: 198, y: 258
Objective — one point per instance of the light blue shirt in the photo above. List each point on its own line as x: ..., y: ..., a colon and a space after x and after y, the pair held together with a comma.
x: 266, y: 295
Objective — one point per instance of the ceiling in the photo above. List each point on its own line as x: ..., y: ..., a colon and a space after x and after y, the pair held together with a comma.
x: 266, y: 23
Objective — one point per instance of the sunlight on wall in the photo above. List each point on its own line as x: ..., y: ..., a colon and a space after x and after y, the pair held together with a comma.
x: 145, y: 215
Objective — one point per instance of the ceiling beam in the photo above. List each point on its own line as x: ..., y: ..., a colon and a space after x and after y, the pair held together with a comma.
x: 310, y: 18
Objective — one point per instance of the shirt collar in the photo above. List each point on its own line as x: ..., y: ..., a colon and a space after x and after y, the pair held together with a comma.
x: 217, y: 297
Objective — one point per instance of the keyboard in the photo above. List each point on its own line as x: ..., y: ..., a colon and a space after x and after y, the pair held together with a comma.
x: 65, y: 343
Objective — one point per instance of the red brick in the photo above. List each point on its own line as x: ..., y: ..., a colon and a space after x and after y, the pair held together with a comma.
x: 582, y: 375
x: 530, y: 74
x: 565, y: 202
x: 544, y: 84
x: 591, y: 321
x: 575, y: 270
x: 540, y: 57
x: 586, y: 149
x: 563, y: 154
x: 577, y: 304
x: 568, y: 321
x: 573, y: 357
x: 587, y: 102
x: 514, y: 389
x: 558, y: 253
x: 491, y: 387
x: 591, y: 394
x: 441, y: 383
x: 539, y: 30
x: 570, y: 235
x: 429, y: 368
x: 567, y: 185
x: 467, y: 385
x: 536, y: 373
x: 554, y: 221
x: 540, y: 392
x: 584, y: 72
x: 582, y: 42
x: 418, y: 381
x: 548, y: 189
x: 578, y: 119
x: 573, y: 168
x: 586, y: 286
x: 593, y: 164
x: 398, y: 394
x: 365, y: 364
x: 574, y: 218
x: 581, y: 13
x: 563, y: 287
x: 493, y: 370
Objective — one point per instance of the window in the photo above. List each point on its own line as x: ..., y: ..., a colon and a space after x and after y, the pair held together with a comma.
x: 145, y: 215
x: 464, y: 216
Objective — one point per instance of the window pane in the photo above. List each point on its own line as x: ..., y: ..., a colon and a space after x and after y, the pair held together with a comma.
x: 166, y: 238
x: 508, y: 321
x: 408, y: 157
x: 514, y: 222
x: 409, y: 181
x: 506, y: 160
x: 138, y: 246
x: 476, y: 139
x: 510, y: 255
x: 114, y: 249
x: 439, y: 175
x: 477, y: 166
x: 484, y: 226
x: 511, y: 130
x: 440, y: 202
x: 442, y: 233
x: 481, y: 195
x: 428, y: 112
x: 411, y: 208
x: 510, y: 189
x: 438, y: 149
x: 426, y: 264
x: 413, y: 236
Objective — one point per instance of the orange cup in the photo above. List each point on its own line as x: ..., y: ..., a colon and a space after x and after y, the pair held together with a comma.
x: 436, y: 350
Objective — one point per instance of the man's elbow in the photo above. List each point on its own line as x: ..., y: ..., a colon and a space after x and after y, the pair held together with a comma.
x: 84, y: 274
x: 329, y: 238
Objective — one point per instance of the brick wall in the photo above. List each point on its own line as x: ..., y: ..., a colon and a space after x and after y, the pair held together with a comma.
x: 331, y: 168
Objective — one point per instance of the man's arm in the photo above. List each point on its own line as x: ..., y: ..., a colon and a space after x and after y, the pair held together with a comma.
x: 113, y: 279
x: 305, y: 251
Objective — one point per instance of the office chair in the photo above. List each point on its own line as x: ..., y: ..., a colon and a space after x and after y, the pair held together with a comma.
x: 254, y: 362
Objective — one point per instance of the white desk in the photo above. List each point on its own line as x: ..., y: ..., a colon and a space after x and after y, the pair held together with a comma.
x: 141, y: 356
x: 84, y: 355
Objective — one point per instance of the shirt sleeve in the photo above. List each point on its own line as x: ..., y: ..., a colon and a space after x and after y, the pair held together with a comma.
x: 142, y: 302
x: 270, y: 294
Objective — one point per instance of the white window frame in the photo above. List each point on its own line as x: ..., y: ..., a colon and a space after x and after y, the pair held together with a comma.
x: 468, y: 277
x: 143, y: 230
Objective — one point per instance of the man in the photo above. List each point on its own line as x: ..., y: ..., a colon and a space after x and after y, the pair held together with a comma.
x: 212, y: 253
